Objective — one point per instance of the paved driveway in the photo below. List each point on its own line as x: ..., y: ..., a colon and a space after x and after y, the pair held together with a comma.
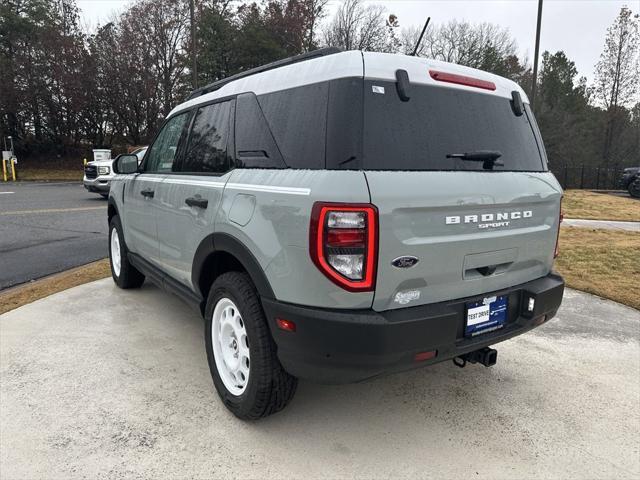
x: 47, y: 228
x: 101, y: 383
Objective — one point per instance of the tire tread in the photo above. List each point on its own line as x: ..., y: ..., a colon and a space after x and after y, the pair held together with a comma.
x: 276, y: 387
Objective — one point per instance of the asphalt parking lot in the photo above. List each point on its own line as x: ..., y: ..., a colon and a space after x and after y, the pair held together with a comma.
x: 116, y: 385
x: 46, y: 228
x: 620, y: 193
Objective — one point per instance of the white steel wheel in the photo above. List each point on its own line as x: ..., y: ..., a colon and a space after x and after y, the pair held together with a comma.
x: 230, y: 346
x: 116, y: 255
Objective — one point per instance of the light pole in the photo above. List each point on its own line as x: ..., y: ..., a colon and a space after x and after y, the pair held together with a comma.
x: 194, y: 67
x: 534, y: 82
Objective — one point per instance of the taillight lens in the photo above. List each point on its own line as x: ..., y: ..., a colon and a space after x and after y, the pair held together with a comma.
x: 343, y: 243
x: 461, y: 80
x: 561, y: 217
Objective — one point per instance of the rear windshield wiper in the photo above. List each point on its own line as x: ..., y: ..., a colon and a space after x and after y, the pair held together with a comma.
x: 488, y: 157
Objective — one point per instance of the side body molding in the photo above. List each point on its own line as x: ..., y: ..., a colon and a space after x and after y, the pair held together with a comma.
x: 222, y: 242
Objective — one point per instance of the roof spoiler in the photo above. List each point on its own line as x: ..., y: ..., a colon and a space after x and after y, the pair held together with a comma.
x: 323, y: 52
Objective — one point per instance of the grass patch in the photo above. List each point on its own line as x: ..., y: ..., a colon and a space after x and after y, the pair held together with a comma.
x: 30, y: 292
x: 603, y: 262
x: 599, y: 206
x: 50, y: 175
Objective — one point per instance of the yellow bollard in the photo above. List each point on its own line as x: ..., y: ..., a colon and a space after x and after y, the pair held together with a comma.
x: 13, y: 169
x: 85, y: 162
x: 4, y: 170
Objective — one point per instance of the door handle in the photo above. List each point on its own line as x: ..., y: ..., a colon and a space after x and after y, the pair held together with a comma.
x: 197, y: 202
x: 147, y: 193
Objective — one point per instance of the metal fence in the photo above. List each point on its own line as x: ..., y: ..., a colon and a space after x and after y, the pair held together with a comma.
x: 584, y: 176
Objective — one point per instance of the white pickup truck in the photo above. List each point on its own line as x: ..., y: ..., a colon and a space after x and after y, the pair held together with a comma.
x: 98, y: 173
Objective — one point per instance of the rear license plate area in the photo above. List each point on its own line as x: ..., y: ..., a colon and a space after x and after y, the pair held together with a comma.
x: 486, y: 315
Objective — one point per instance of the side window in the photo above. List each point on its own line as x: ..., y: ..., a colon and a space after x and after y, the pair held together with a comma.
x: 297, y: 118
x: 255, y: 146
x: 210, y: 141
x: 344, y: 124
x: 162, y: 153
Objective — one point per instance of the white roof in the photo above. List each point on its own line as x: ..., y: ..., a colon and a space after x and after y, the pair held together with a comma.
x: 355, y: 63
x: 384, y: 65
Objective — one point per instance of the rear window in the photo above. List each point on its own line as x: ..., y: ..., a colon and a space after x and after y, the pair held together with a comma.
x: 436, y: 121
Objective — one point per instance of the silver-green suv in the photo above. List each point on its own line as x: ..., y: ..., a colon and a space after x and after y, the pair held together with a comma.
x: 342, y: 215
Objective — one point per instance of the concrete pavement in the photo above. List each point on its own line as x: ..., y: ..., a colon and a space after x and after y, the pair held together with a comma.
x: 98, y: 382
x: 47, y: 228
x: 604, y: 224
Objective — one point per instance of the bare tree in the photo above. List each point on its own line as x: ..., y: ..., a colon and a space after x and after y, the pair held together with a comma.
x: 359, y: 27
x: 169, y: 32
x: 460, y: 42
x: 618, y: 73
x: 316, y: 10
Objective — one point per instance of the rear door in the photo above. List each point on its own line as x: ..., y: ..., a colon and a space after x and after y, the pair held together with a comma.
x: 452, y: 228
x: 141, y: 193
x: 189, y: 198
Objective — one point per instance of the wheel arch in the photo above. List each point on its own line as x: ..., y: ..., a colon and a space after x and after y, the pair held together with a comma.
x: 112, y: 210
x: 219, y: 253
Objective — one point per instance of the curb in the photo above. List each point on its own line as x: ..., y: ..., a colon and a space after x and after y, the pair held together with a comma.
x: 23, y: 288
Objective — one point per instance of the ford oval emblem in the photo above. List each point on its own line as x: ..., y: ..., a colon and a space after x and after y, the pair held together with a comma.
x: 406, y: 261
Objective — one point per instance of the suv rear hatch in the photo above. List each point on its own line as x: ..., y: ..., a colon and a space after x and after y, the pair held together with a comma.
x: 473, y: 227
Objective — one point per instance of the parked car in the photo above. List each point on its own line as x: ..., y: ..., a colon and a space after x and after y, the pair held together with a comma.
x: 634, y: 186
x: 630, y: 181
x: 338, y: 216
x: 99, y: 173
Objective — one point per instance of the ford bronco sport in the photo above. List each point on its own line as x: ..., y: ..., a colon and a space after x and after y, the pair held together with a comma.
x: 338, y: 216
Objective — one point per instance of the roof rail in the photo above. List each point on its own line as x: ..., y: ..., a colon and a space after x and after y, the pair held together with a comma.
x: 323, y: 52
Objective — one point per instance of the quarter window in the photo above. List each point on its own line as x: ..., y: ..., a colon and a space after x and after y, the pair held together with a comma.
x: 297, y: 118
x: 163, y: 152
x: 210, y: 140
x: 255, y: 145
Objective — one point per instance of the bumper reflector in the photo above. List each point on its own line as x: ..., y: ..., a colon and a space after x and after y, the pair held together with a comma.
x: 286, y: 325
x: 422, y: 356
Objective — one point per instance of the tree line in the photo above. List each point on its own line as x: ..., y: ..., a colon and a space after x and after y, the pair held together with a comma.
x: 65, y: 91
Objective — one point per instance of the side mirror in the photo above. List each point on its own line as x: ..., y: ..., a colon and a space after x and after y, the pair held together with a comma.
x: 125, y: 163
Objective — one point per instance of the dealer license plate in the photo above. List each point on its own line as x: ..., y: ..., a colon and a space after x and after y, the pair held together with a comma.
x: 486, y: 315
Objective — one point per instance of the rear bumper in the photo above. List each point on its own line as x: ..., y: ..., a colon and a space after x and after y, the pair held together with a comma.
x: 346, y: 346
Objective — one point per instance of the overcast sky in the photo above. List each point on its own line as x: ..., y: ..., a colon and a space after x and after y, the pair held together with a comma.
x: 576, y: 26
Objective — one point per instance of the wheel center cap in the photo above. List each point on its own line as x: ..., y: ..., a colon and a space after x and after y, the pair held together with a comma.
x: 234, y: 344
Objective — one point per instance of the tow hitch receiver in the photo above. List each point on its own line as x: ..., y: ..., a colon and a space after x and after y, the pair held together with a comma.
x: 486, y: 356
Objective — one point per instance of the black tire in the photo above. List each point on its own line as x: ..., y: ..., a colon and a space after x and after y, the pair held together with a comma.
x: 634, y: 188
x: 129, y: 276
x: 269, y: 388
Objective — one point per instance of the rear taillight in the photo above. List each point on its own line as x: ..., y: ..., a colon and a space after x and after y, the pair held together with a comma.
x: 343, y: 243
x: 561, y: 217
